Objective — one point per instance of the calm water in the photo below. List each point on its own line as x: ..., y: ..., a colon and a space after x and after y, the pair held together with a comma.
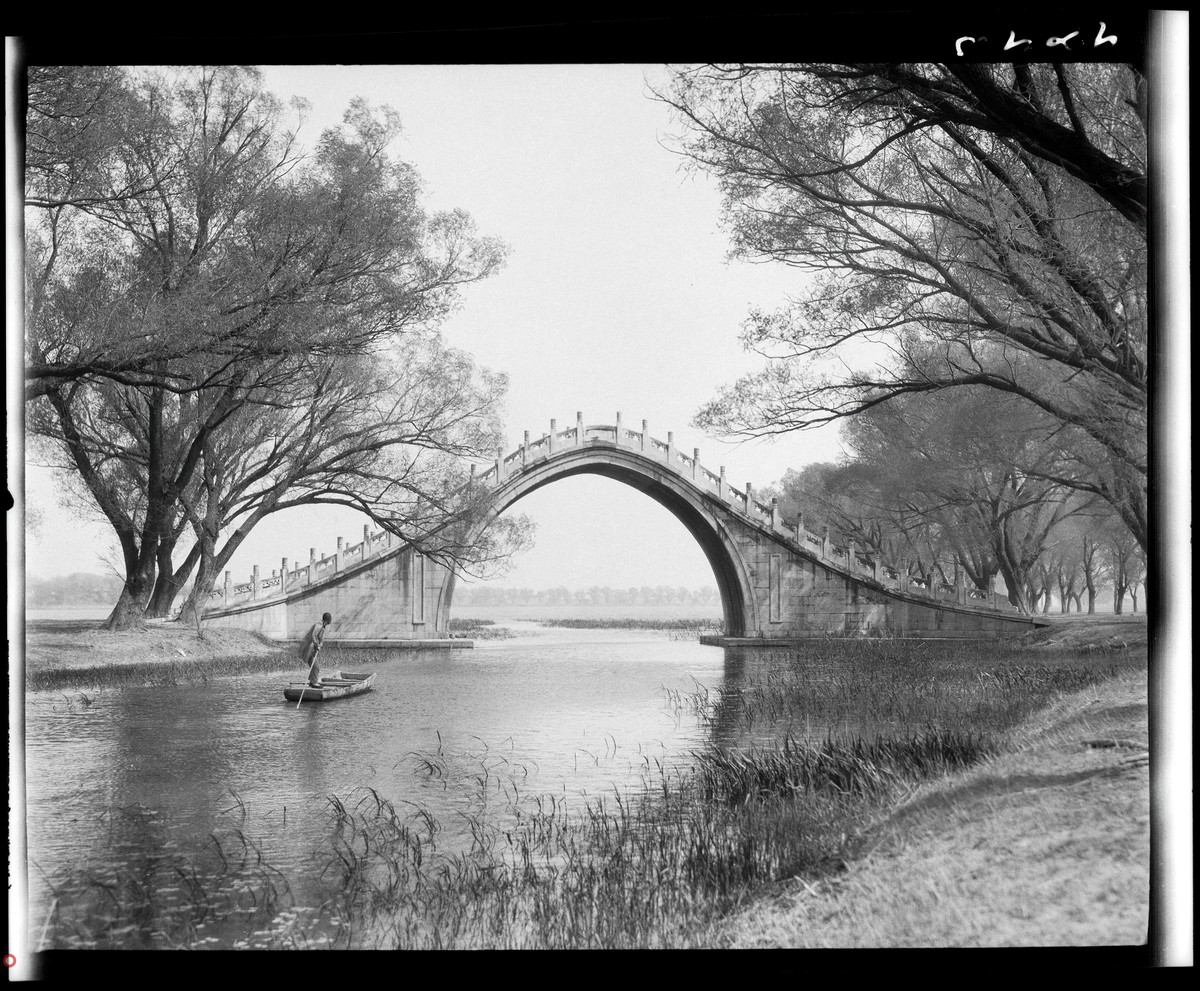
x: 142, y: 772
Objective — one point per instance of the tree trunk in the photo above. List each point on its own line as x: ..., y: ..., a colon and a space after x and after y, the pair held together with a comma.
x: 169, y: 583
x: 130, y: 610
x: 211, y: 564
x: 164, y: 585
x: 197, y: 601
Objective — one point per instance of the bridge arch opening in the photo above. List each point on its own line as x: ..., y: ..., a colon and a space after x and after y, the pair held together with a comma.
x: 699, y: 523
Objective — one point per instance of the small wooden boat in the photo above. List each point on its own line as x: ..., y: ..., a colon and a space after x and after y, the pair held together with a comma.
x: 339, y: 686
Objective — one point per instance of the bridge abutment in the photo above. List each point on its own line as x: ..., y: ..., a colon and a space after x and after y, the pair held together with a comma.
x: 395, y: 596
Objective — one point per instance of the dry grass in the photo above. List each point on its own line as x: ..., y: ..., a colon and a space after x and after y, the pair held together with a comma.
x: 64, y: 644
x: 1045, y: 846
x: 79, y: 654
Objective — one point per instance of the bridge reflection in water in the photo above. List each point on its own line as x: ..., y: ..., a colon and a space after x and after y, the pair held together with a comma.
x: 778, y: 582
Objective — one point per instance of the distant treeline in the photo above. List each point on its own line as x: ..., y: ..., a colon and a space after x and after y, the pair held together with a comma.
x: 65, y: 591
x: 660, y: 595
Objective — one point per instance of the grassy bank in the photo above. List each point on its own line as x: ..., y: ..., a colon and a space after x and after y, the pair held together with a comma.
x: 479, y: 629
x: 676, y: 629
x: 1047, y: 843
x: 83, y: 654
x: 985, y: 798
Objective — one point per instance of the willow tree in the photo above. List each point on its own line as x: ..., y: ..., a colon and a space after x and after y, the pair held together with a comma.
x: 975, y: 468
x: 213, y: 257
x: 390, y: 434
x: 993, y: 216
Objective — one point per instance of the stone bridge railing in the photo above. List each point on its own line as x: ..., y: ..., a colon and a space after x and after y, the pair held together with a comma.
x: 848, y: 558
x: 284, y: 580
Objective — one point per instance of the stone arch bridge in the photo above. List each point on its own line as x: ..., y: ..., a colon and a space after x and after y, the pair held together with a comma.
x: 777, y: 581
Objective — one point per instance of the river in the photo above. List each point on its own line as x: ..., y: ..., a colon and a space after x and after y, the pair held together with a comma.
x: 141, y: 775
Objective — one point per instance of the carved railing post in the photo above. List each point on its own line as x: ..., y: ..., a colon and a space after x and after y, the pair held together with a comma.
x: 671, y: 448
x: 578, y: 427
x: 645, y: 435
x: 903, y: 570
x: 337, y: 557
x: 553, y: 432
x: 774, y: 513
x: 696, y: 476
x: 500, y: 466
x: 749, y: 499
x: 525, y: 450
x: 254, y: 583
x: 618, y: 429
x: 851, y: 556
x: 825, y: 541
x: 283, y: 577
x: 721, y: 485
x: 228, y: 587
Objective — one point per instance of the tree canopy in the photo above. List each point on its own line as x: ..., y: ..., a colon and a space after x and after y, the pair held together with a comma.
x: 954, y: 225
x: 221, y: 326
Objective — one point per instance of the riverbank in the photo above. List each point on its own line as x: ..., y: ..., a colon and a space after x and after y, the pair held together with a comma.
x: 1045, y: 846
x: 81, y: 654
x: 56, y: 648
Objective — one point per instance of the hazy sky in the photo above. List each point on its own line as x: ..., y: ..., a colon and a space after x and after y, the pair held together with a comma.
x: 617, y: 297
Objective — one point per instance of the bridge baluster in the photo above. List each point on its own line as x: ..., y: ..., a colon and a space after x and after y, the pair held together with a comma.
x: 618, y: 428
x: 254, y: 583
x: 671, y: 448
x: 721, y: 485
x: 696, y: 476
x: 553, y: 434
x: 283, y: 575
x: 228, y: 587
x: 645, y: 435
x: 579, y: 428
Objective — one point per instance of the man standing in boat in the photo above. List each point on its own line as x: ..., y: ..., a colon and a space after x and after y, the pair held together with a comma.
x: 313, y: 640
